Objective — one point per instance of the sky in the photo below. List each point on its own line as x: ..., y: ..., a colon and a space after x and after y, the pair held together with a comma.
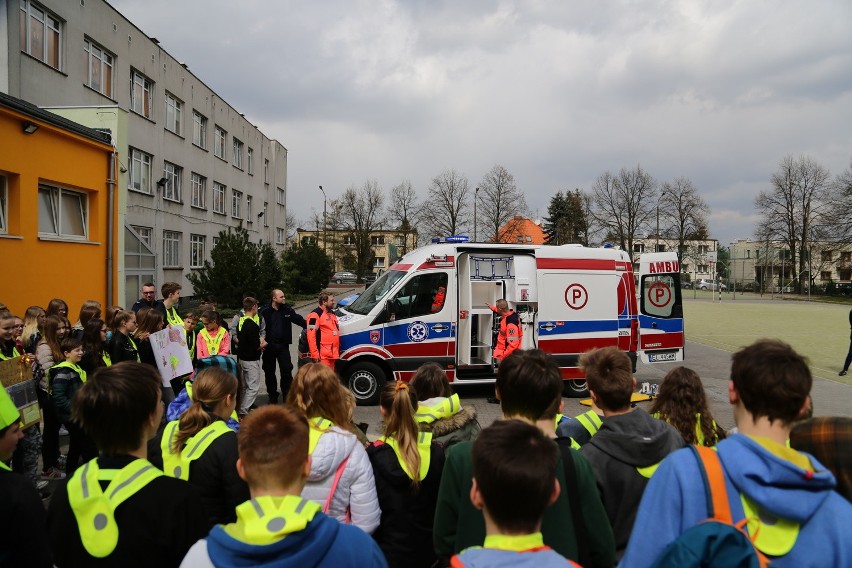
x: 556, y: 91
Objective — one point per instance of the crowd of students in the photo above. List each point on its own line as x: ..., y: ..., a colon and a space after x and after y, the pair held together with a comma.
x: 203, y: 480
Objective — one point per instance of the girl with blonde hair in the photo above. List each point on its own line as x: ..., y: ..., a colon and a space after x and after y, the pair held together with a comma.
x: 341, y: 478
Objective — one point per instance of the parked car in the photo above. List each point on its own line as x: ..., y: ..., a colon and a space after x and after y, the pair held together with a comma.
x: 344, y: 277
x: 371, y: 277
x: 686, y: 284
x: 705, y: 284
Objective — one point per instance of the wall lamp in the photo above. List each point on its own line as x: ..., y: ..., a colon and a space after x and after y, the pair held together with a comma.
x: 162, y: 182
x: 29, y: 127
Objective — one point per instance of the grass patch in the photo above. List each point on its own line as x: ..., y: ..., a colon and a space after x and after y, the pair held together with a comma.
x: 819, y: 331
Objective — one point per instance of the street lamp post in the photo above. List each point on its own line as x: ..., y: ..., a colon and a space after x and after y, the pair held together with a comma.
x: 324, y: 222
x: 475, y: 199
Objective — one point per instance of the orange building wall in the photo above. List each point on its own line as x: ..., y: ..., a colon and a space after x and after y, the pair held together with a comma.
x: 37, y: 270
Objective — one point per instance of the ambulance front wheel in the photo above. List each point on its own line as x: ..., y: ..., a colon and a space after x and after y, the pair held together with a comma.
x: 366, y: 381
x: 575, y: 388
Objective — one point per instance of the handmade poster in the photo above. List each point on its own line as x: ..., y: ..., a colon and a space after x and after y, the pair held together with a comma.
x: 16, y: 376
x: 171, y: 353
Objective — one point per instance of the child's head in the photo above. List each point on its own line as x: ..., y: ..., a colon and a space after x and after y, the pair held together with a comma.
x: 679, y: 400
x: 151, y: 322
x: 170, y: 291
x: 57, y: 307
x: 273, y: 446
x: 514, y: 475
x: 210, y: 319
x: 609, y: 374
x: 72, y: 349
x: 430, y: 381
x: 119, y: 406
x: 214, y: 391
x: 528, y: 385
x: 249, y: 304
x: 398, y: 403
x: 125, y: 322
x: 7, y: 326
x: 190, y: 320
x: 317, y: 392
x: 89, y: 310
x: 10, y: 429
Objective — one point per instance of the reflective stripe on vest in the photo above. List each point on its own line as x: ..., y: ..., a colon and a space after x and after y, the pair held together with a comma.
x: 424, y: 448
x: 265, y: 520
x: 771, y: 535
x: 255, y: 318
x: 213, y: 343
x: 106, y: 358
x: 444, y: 407
x: 95, y: 508
x: 176, y: 464
x: 14, y: 354
x: 135, y: 348
x: 590, y: 421
x: 74, y: 367
x: 318, y: 427
x: 173, y: 317
x: 4, y: 466
x: 648, y: 471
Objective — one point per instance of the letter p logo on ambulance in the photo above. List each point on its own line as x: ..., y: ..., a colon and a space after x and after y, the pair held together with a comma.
x: 576, y: 296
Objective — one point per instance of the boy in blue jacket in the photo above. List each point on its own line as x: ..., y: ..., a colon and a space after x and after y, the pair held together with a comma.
x: 795, y: 517
x: 277, y: 527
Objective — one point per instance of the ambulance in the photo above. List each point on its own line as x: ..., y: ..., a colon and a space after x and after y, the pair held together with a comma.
x: 432, y: 305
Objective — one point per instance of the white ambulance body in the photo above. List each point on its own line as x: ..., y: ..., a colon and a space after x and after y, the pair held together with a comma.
x: 570, y: 299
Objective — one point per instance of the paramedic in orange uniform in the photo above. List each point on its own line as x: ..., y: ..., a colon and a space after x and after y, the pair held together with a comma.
x: 324, y: 332
x: 510, y: 334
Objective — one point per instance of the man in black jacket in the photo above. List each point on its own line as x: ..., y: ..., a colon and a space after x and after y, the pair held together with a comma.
x: 279, y: 318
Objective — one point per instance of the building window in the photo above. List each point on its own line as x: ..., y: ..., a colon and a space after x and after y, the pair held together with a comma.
x: 141, y: 89
x: 171, y: 249
x: 279, y: 196
x: 197, y: 244
x: 140, y: 171
x: 250, y: 164
x: 62, y: 212
x: 218, y: 198
x: 199, y: 129
x: 174, y: 113
x: 238, y: 154
x: 215, y: 241
x: 279, y: 236
x: 660, y: 247
x: 4, y: 207
x: 825, y: 275
x: 97, y: 65
x: 145, y: 234
x: 380, y: 262
x: 236, y: 204
x: 199, y: 189
x: 638, y: 247
x: 846, y: 256
x: 703, y: 269
x: 248, y: 208
x: 400, y: 240
x: 349, y: 240
x: 377, y: 240
x: 265, y: 171
x: 219, y: 143
x: 265, y: 214
x: 309, y: 241
x: 41, y: 34
x: 173, y: 175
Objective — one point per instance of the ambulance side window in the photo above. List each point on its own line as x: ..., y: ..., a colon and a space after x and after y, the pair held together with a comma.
x: 417, y: 296
x: 661, y: 296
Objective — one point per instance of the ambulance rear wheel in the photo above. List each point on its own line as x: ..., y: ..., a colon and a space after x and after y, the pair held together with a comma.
x: 575, y: 388
x: 366, y: 381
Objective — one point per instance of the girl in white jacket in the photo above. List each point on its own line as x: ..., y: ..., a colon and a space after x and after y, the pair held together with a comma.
x: 341, y: 478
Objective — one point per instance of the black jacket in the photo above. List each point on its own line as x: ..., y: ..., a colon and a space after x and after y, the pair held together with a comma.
x: 248, y: 344
x: 23, y: 540
x: 120, y: 348
x: 156, y: 526
x: 214, y: 474
x: 279, y: 323
x: 146, y: 353
x: 405, y: 531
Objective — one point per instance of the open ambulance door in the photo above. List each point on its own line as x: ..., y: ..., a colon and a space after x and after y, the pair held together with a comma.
x: 661, y: 337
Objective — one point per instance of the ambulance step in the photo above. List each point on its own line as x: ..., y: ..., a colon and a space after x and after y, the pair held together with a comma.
x: 480, y: 370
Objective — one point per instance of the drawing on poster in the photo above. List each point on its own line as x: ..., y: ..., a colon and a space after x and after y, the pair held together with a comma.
x: 171, y: 353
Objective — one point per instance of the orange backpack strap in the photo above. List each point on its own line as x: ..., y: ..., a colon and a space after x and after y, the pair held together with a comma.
x: 718, y: 506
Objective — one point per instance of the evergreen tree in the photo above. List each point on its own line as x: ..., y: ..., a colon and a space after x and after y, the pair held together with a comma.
x: 306, y: 269
x: 236, y: 265
x: 567, y: 220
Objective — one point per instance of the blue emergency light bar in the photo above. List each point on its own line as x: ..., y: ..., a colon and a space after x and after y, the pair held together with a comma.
x: 451, y: 239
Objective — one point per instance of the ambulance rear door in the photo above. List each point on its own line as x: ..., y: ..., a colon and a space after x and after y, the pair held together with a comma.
x: 661, y: 334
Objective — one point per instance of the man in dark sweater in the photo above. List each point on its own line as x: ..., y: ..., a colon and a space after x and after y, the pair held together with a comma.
x: 279, y: 318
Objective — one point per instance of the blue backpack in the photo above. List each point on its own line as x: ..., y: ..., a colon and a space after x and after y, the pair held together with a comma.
x: 716, y: 541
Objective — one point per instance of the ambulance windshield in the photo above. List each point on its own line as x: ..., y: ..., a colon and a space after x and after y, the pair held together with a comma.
x: 375, y: 293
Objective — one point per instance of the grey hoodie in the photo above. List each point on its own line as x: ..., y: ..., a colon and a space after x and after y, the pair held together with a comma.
x: 623, y: 444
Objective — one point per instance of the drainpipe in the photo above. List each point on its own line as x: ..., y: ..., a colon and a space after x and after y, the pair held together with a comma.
x: 110, y: 225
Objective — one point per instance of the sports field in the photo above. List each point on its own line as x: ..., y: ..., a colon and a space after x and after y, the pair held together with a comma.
x: 817, y: 330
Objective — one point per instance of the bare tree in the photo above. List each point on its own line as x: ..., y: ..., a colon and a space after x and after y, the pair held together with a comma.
x: 794, y: 206
x: 402, y: 212
x: 292, y: 225
x: 624, y: 204
x: 361, y: 214
x: 837, y: 222
x: 684, y: 213
x: 446, y: 210
x: 501, y: 201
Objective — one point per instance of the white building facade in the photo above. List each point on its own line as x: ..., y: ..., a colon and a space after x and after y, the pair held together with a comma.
x: 191, y: 164
x: 697, y: 259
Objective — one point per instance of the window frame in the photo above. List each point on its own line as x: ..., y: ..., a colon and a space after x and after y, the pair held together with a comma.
x: 171, y: 247
x: 279, y: 236
x: 198, y: 191
x: 107, y: 61
x: 57, y: 212
x: 173, y: 177
x: 280, y: 196
x: 236, y: 203
x: 237, y: 158
x: 146, y: 88
x: 4, y: 205
x: 250, y: 161
x: 51, y: 27
x: 219, y: 144
x: 199, y: 129
x: 145, y: 234
x: 173, y: 119
x: 220, y: 189
x: 196, y: 256
x: 133, y: 163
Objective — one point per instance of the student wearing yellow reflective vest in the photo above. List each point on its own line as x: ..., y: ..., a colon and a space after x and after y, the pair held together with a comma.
x: 23, y: 536
x: 95, y: 352
x: 202, y: 449
x: 630, y: 443
x: 407, y: 466
x: 7, y: 343
x: 248, y: 331
x: 341, y: 476
x: 278, y: 526
x: 167, y: 306
x: 681, y: 402
x: 439, y: 411
x: 48, y: 353
x: 118, y: 509
x: 122, y: 346
x: 213, y: 339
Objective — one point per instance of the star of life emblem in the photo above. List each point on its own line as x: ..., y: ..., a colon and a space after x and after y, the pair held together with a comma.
x: 418, y: 331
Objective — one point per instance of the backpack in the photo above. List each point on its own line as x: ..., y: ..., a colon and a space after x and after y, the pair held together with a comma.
x: 717, y: 540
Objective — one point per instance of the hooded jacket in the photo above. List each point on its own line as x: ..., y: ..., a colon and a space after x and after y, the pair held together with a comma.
x: 624, y: 443
x: 405, y: 533
x: 323, y: 543
x: 357, y: 487
x: 675, y: 500
x: 460, y: 427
